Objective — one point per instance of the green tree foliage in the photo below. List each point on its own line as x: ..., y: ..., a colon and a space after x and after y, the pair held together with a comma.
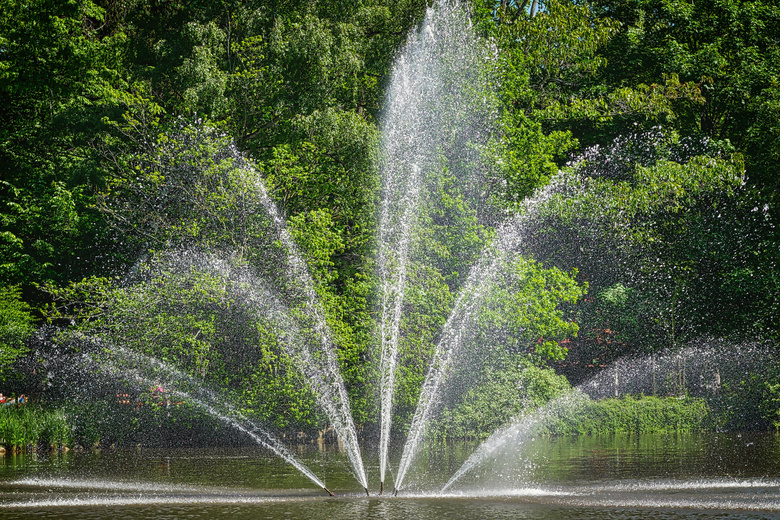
x: 655, y: 239
x: 521, y: 325
x: 330, y: 166
x: 100, y: 171
x: 548, y: 68
x: 58, y: 77
x: 197, y: 315
x: 523, y: 312
x: 507, y: 389
x: 16, y: 327
x: 727, y: 50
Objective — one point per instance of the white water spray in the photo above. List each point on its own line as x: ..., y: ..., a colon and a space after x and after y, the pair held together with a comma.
x: 705, y: 364
x: 313, y: 353
x: 123, y: 364
x: 430, y: 105
x: 459, y: 327
x: 324, y: 375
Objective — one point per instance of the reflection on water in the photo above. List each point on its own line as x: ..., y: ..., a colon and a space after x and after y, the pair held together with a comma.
x: 647, y: 476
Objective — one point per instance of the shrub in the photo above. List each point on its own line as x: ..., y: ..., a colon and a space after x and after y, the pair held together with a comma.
x: 27, y: 427
x: 643, y: 414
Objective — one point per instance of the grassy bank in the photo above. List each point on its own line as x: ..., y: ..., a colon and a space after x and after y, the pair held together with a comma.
x: 645, y: 414
x: 29, y: 427
x: 104, y: 423
x: 584, y: 416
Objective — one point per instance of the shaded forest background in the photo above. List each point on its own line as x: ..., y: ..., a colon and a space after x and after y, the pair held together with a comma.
x: 668, y: 112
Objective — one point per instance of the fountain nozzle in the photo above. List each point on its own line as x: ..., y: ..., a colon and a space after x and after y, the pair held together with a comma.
x: 382, y: 488
x: 367, y: 494
x: 395, y: 492
x: 328, y: 491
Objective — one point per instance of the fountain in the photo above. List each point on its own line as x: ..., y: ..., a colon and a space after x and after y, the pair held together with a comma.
x: 439, y: 118
x: 279, y: 293
x: 121, y: 365
x: 698, y: 371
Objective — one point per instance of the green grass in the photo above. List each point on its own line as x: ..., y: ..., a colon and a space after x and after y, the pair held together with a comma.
x: 630, y: 414
x: 28, y: 427
x: 643, y: 414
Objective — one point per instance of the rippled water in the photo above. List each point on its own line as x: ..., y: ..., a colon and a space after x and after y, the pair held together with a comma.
x: 653, y: 477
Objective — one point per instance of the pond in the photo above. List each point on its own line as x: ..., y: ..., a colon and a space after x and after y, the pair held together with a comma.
x: 683, y: 476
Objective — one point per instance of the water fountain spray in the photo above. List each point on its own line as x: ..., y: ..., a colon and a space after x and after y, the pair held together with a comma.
x: 120, y: 364
x: 428, y: 103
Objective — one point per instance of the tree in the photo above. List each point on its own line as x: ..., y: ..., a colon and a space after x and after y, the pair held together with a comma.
x: 16, y: 327
x: 546, y: 69
x: 728, y: 50
x: 58, y: 76
x: 650, y: 226
x: 205, y: 316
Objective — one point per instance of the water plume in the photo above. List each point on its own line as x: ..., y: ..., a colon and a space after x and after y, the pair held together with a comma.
x: 699, y: 370
x: 460, y: 325
x: 120, y: 364
x: 311, y: 351
x: 438, y: 113
x: 204, y: 195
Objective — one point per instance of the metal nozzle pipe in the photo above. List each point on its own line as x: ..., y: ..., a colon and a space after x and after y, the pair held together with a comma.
x: 367, y: 494
x: 382, y: 488
x: 329, y: 491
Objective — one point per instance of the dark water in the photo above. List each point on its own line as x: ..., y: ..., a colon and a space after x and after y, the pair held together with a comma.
x: 615, y: 477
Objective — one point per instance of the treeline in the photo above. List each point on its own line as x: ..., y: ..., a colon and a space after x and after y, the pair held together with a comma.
x: 135, y: 134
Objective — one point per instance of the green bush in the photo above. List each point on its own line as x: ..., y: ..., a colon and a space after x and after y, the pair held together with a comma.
x: 27, y: 427
x: 644, y: 414
x: 102, y: 422
x: 513, y: 387
x: 16, y: 326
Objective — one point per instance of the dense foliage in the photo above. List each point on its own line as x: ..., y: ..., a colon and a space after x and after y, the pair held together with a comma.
x: 32, y: 426
x: 133, y: 132
x: 16, y: 326
x: 632, y: 415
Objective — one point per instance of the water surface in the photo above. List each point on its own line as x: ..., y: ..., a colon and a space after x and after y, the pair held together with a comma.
x: 667, y: 477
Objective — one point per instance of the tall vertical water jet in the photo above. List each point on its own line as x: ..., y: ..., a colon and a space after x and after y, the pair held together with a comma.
x: 437, y: 113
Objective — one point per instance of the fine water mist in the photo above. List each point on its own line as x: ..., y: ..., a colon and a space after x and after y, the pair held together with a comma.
x: 133, y: 368
x: 701, y: 370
